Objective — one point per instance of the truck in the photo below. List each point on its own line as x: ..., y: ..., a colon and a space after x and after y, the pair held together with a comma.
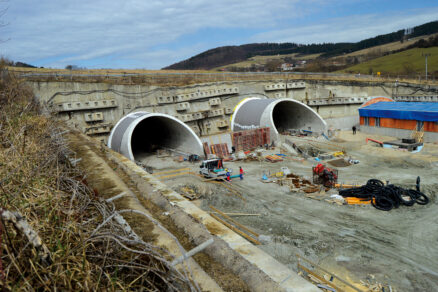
x: 213, y: 168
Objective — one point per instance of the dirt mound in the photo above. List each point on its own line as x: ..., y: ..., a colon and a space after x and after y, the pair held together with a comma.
x: 339, y: 162
x: 338, y: 140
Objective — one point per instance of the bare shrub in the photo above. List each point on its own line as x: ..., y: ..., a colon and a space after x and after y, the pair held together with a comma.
x: 50, y: 197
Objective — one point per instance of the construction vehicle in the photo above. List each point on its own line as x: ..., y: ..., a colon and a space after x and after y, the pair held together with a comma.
x: 325, y: 176
x: 213, y: 168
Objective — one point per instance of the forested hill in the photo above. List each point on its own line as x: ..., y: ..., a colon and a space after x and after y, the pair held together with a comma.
x: 222, y: 56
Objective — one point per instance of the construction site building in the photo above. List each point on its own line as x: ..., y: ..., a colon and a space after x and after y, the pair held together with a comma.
x: 400, y: 119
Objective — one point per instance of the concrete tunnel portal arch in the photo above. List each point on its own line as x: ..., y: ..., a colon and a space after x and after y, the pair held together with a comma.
x: 277, y: 114
x: 139, y: 134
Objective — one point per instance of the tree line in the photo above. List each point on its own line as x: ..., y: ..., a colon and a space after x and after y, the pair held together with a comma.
x: 222, y: 56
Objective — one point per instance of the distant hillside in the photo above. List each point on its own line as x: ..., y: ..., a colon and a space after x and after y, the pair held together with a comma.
x: 424, y: 29
x: 21, y: 64
x: 222, y: 56
x: 7, y: 62
x: 232, y: 54
x: 409, y: 62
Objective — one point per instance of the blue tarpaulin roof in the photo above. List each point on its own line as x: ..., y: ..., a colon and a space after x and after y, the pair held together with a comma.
x: 419, y: 111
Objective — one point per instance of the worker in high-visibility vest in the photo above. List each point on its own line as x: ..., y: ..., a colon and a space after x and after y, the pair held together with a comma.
x: 228, y: 175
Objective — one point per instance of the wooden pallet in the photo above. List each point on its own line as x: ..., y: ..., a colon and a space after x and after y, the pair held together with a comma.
x: 273, y: 158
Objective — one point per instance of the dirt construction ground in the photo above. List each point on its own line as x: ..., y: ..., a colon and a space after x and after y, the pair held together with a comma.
x: 397, y: 248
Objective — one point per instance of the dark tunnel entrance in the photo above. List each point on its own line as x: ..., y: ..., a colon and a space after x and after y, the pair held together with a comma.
x: 288, y: 115
x: 159, y: 132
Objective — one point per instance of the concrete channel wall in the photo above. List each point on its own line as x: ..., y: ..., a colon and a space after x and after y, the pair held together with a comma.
x: 94, y: 108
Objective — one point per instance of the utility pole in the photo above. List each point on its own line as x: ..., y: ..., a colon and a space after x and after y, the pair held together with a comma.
x: 425, y: 56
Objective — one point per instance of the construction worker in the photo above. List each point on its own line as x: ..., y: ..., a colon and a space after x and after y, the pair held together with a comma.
x: 228, y: 175
x: 241, y: 172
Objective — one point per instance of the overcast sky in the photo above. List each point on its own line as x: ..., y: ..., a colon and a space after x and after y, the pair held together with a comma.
x: 151, y: 34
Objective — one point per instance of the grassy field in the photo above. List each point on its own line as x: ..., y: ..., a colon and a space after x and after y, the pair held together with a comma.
x: 262, y: 60
x: 389, y: 47
x: 405, y: 62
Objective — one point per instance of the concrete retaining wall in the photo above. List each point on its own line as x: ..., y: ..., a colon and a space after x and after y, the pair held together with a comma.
x: 343, y: 123
x: 206, y: 107
x: 398, y: 133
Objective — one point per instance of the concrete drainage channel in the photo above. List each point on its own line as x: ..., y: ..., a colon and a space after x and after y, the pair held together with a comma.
x: 258, y: 270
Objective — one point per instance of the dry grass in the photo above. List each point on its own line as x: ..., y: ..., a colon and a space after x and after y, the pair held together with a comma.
x: 39, y: 185
x: 263, y: 60
x: 98, y: 71
x: 295, y: 56
x: 184, y: 78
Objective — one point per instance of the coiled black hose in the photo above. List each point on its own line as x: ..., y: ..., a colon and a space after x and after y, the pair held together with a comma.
x: 386, y: 197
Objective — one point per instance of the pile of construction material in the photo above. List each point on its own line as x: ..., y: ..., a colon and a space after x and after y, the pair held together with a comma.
x: 274, y: 158
x: 243, y: 143
x: 188, y: 192
x: 258, y: 155
x: 337, y: 158
x: 385, y: 197
x: 297, y: 183
x: 301, y: 133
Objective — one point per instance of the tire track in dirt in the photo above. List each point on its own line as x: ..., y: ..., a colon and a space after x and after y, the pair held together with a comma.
x: 385, y: 236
